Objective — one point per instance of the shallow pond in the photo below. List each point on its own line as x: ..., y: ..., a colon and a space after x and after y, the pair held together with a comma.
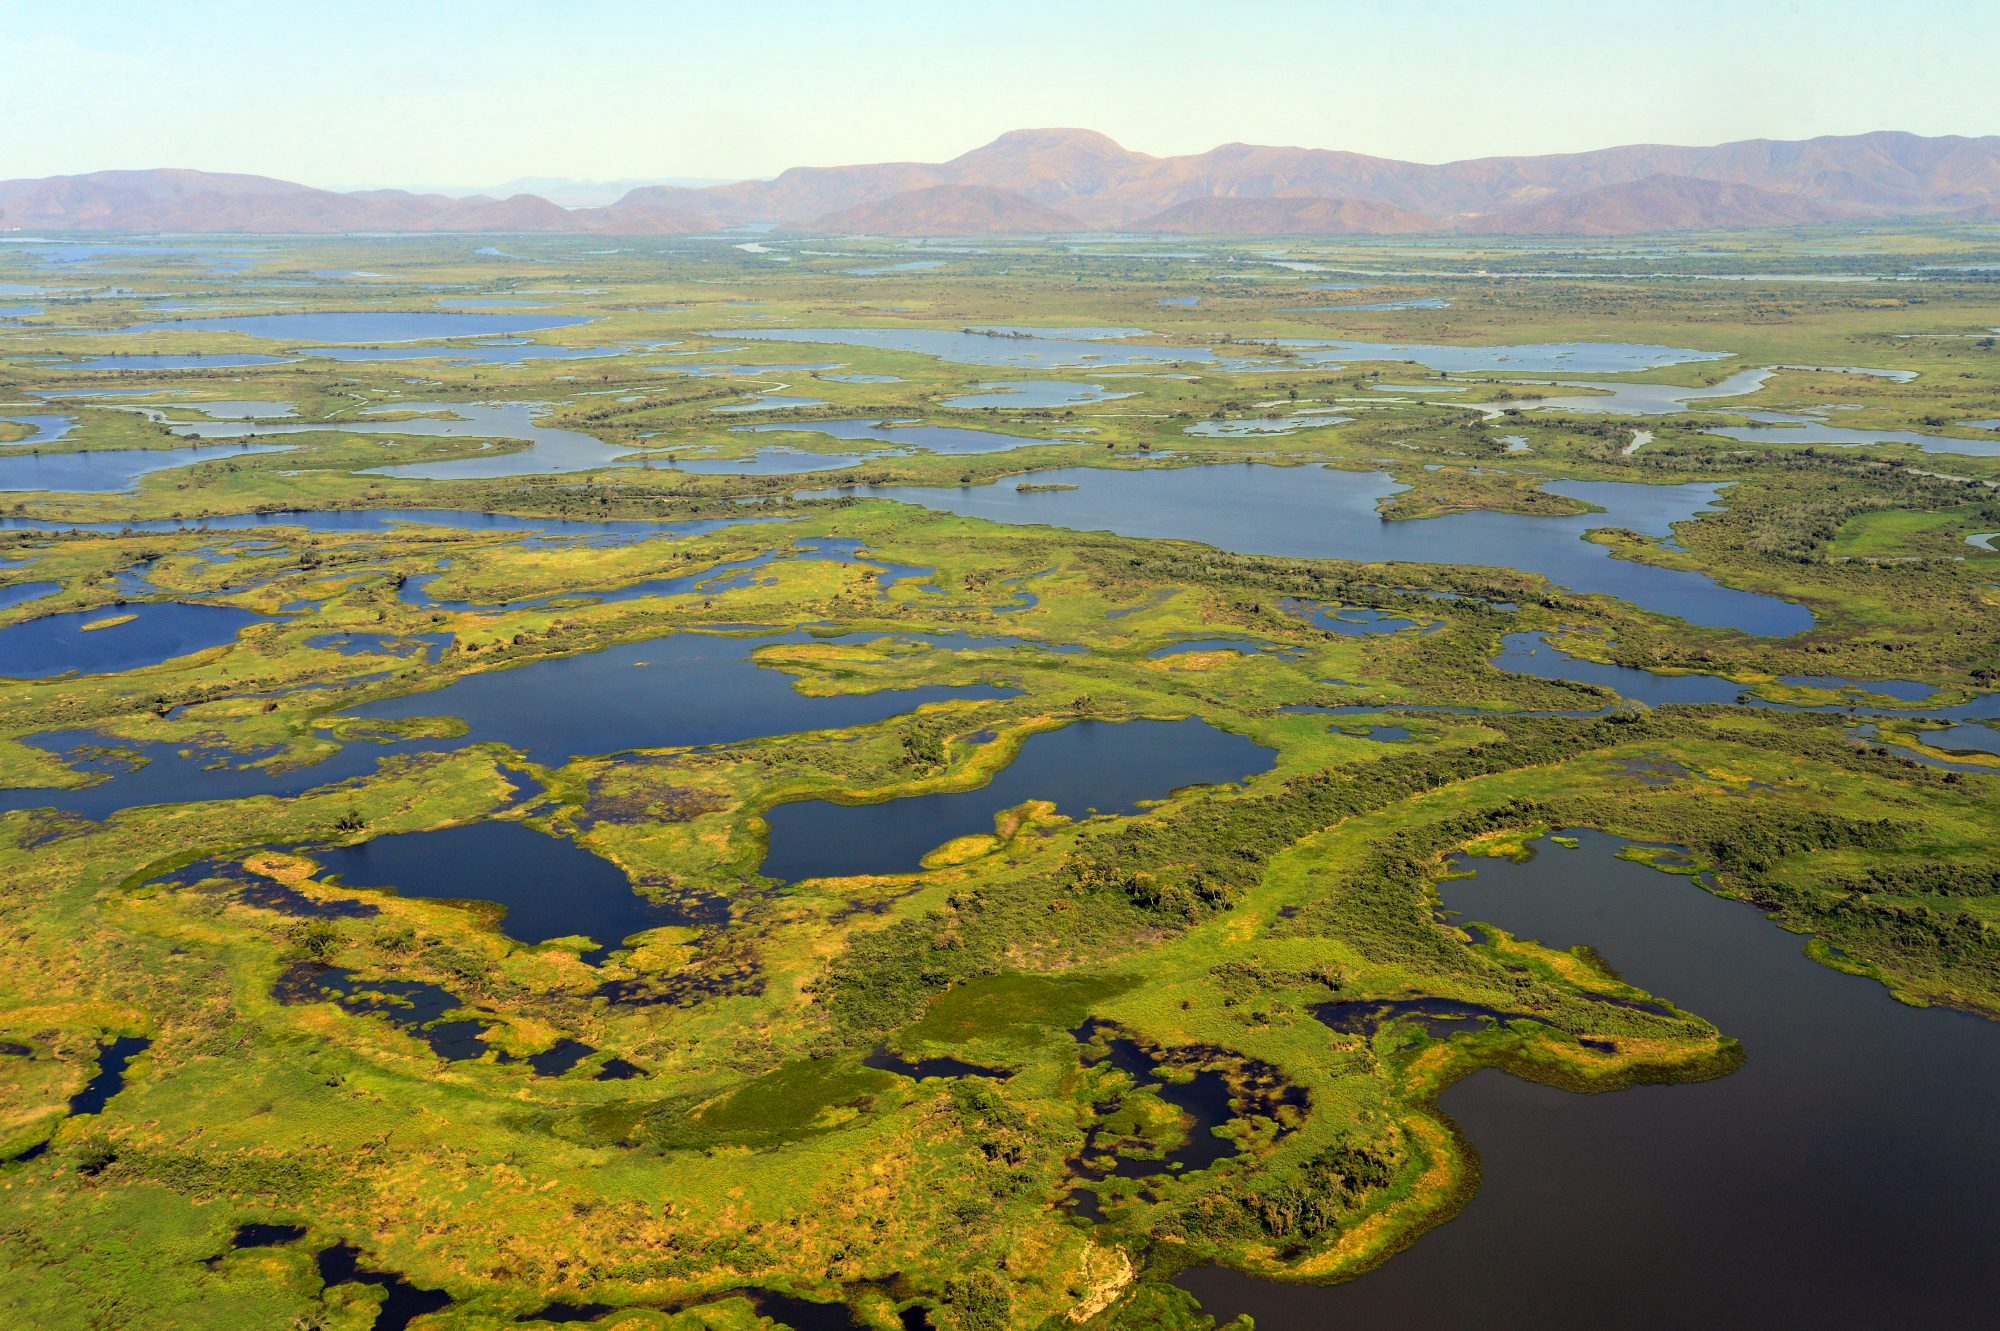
x: 43, y: 429
x: 1640, y: 399
x: 1314, y: 512
x: 1531, y: 654
x: 1035, y: 395
x: 688, y: 688
x: 139, y: 772
x: 1531, y: 357
x: 158, y: 631
x: 1841, y: 1178
x: 1835, y: 436
x: 1085, y: 767
x: 106, y: 470
x: 550, y: 886
x: 20, y: 593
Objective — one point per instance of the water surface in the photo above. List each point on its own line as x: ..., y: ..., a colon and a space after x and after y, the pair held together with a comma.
x: 1085, y: 767
x: 1843, y: 1177
x: 1318, y: 513
x: 684, y: 689
x: 157, y: 631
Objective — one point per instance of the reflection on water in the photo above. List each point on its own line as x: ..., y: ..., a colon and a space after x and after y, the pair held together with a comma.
x: 1841, y: 1178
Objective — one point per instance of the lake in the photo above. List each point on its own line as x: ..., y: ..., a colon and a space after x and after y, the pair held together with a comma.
x: 1035, y: 395
x: 551, y: 887
x: 1085, y: 767
x: 1318, y: 513
x: 683, y: 689
x: 107, y: 470
x: 158, y: 631
x: 1843, y: 1177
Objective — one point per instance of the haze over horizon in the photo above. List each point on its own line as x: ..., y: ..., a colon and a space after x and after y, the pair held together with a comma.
x: 392, y: 96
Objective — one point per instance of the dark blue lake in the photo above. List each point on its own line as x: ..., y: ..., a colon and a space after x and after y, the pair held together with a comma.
x: 159, y: 631
x: 155, y: 772
x: 1842, y: 1178
x: 551, y: 887
x: 1085, y: 767
x: 1318, y: 513
x: 105, y: 470
x: 688, y: 688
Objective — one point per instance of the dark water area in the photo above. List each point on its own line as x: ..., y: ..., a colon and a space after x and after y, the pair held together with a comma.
x: 684, y: 689
x: 1241, y: 646
x: 1531, y: 654
x: 1319, y: 513
x: 1354, y: 621
x: 1203, y: 1099
x: 402, y: 1302
x: 259, y: 1235
x: 419, y: 1008
x: 883, y: 1059
x: 106, y: 470
x: 1843, y: 1177
x: 112, y: 1061
x: 160, y: 631
x: 1087, y: 766
x: 141, y: 772
x: 1438, y: 1018
x: 550, y: 886
x: 21, y: 593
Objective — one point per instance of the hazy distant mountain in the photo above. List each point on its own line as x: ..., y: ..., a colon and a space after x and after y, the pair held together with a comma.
x: 1289, y: 216
x: 1092, y: 182
x: 1659, y: 203
x: 948, y: 210
x: 572, y: 193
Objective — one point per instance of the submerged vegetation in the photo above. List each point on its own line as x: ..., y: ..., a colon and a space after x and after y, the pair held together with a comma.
x: 330, y: 750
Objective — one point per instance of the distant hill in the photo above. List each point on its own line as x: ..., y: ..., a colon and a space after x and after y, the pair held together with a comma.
x: 948, y: 210
x: 1290, y: 216
x: 1659, y: 203
x: 1088, y: 180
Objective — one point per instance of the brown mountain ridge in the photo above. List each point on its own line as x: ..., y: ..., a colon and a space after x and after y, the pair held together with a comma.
x: 1072, y: 179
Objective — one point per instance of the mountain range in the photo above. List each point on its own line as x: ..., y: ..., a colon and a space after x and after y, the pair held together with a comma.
x: 1055, y: 180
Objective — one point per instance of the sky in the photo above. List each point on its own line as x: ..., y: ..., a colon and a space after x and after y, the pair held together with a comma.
x: 446, y: 92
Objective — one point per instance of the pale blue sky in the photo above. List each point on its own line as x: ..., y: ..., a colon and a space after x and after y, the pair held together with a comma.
x: 453, y: 92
